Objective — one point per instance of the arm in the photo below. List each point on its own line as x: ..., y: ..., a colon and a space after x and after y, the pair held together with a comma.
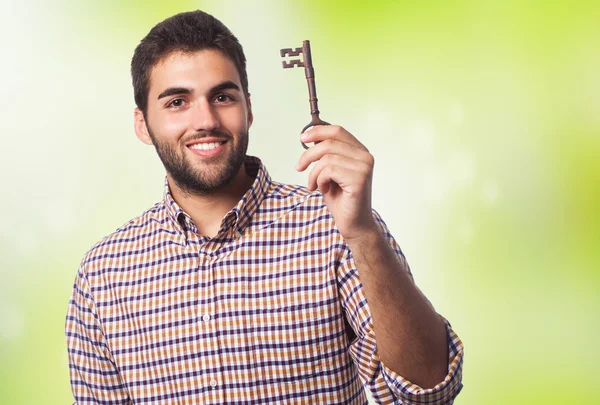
x: 386, y: 384
x: 412, y: 339
x: 94, y: 375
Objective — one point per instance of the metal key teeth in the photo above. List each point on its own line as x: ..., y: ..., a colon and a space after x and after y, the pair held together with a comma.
x: 290, y: 52
x: 292, y: 63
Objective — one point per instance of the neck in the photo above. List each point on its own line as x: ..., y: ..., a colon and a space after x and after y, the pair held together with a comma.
x: 207, y: 211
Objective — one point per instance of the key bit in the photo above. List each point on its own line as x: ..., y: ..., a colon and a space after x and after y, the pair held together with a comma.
x: 309, y: 72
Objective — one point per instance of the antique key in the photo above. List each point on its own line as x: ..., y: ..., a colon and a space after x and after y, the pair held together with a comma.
x: 309, y: 72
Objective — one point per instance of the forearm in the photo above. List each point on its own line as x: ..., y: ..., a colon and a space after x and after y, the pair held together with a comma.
x: 411, y: 337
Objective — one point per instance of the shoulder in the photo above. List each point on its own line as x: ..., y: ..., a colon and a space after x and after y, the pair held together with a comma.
x: 128, y: 238
x: 289, y: 207
x: 293, y: 195
x: 282, y: 197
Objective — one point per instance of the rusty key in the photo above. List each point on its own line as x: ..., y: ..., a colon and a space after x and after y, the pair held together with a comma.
x: 309, y: 72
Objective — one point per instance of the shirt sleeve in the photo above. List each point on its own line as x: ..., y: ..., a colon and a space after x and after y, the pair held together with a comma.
x: 93, y: 372
x: 386, y: 385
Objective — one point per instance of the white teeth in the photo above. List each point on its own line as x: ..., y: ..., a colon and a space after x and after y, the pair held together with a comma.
x: 205, y: 146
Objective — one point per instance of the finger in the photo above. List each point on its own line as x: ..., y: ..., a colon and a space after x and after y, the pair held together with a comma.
x: 324, y: 180
x: 333, y: 147
x: 349, y: 180
x: 357, y: 167
x: 319, y: 133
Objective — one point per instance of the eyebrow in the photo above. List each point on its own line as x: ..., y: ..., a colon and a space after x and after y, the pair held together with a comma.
x: 227, y: 85
x: 174, y: 90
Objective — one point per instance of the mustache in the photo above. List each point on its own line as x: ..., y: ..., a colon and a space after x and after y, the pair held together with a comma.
x: 208, y: 134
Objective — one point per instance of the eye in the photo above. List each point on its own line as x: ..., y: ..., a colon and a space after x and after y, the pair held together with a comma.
x: 223, y: 98
x: 176, y: 103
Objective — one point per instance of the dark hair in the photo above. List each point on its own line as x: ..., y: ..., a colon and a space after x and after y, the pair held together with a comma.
x: 185, y: 32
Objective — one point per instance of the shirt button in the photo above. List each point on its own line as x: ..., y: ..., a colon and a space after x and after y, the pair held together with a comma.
x: 213, y: 383
x: 206, y: 318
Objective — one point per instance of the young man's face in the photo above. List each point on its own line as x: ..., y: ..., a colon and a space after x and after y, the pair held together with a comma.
x: 197, y: 118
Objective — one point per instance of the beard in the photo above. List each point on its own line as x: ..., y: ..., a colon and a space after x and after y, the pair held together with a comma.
x: 202, y: 182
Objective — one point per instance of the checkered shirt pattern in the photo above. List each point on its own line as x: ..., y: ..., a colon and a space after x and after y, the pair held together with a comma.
x: 270, y: 311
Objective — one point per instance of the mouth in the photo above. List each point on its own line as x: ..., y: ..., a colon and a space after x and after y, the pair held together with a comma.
x: 207, y: 147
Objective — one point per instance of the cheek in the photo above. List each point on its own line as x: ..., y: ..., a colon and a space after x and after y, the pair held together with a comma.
x: 170, y: 126
x: 175, y: 126
x: 238, y: 121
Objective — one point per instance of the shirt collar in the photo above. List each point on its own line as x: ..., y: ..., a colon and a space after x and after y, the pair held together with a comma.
x: 254, y: 196
x: 174, y: 211
x: 240, y: 216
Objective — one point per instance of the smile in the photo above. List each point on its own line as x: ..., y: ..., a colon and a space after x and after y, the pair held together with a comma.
x: 206, y: 146
x: 207, y: 149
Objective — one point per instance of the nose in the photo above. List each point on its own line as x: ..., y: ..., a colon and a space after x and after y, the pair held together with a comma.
x: 204, y: 117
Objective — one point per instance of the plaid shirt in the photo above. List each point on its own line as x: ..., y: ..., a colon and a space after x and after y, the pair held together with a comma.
x: 271, y: 310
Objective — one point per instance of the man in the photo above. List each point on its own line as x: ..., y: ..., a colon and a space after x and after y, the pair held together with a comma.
x: 236, y: 288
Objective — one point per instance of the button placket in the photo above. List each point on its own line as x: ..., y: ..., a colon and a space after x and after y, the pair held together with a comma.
x: 208, y: 324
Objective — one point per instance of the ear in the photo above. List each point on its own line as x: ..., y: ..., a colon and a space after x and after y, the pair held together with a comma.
x: 141, y: 130
x: 250, y: 115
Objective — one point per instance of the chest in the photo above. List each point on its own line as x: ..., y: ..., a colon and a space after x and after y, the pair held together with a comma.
x: 204, y: 320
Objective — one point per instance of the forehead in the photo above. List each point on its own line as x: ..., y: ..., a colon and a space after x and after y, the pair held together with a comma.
x: 199, y: 70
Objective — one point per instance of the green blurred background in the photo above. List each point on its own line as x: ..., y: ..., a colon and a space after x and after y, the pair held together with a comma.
x: 483, y: 116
